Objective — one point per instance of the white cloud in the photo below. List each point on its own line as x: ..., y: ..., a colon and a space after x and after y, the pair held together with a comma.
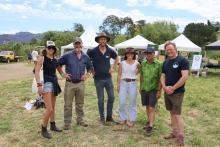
x: 29, y: 11
x: 12, y: 7
x: 43, y: 3
x: 207, y: 9
x: 24, y: 17
x: 133, y: 3
x: 78, y: 10
x: 75, y: 3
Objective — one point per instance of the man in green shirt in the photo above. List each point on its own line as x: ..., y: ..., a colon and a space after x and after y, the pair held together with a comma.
x: 150, y: 87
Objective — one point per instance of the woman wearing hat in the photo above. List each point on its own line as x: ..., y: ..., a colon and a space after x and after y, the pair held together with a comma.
x: 50, y: 88
x: 127, y: 86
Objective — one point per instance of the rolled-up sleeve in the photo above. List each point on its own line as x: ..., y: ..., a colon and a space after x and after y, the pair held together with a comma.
x: 113, y: 54
x: 89, y: 65
x: 62, y: 60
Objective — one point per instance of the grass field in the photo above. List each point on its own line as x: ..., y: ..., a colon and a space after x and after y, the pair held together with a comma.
x: 201, y: 109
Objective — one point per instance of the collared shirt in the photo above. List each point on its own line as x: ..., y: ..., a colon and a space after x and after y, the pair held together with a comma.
x: 101, y: 62
x: 151, y: 75
x: 75, y: 66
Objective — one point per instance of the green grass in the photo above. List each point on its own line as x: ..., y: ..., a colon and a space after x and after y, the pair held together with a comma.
x: 201, y: 108
x: 218, y: 36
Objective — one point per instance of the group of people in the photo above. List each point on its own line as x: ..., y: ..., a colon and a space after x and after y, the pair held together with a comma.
x: 154, y: 76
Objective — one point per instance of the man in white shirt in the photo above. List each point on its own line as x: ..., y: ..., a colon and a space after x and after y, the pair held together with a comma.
x: 34, y: 57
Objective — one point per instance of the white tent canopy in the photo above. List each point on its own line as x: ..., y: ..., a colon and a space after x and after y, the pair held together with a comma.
x: 138, y: 42
x: 88, y: 39
x: 183, y: 44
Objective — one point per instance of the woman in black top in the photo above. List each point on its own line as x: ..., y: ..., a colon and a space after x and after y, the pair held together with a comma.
x: 50, y: 88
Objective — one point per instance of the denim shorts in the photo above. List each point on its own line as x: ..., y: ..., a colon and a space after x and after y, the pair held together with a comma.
x: 48, y: 87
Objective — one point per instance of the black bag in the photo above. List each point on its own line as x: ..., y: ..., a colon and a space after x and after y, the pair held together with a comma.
x: 39, y: 103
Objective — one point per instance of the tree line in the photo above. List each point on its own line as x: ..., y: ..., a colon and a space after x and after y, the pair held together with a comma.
x: 120, y: 29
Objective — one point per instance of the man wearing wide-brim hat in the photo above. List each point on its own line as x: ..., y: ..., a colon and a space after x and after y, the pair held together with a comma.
x: 100, y: 57
x: 150, y: 87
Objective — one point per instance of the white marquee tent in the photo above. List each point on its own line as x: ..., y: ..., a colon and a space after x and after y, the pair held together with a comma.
x: 183, y: 44
x: 88, y: 39
x: 137, y: 42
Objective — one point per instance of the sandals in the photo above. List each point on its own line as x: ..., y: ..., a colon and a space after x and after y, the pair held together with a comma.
x: 130, y: 124
x: 122, y: 122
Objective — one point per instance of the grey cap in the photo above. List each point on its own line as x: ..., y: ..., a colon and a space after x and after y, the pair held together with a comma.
x: 77, y: 39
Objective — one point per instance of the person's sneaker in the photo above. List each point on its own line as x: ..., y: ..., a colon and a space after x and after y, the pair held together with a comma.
x: 171, y: 136
x: 149, y: 131
x: 181, y: 140
x: 66, y: 127
x: 82, y: 124
x: 146, y: 125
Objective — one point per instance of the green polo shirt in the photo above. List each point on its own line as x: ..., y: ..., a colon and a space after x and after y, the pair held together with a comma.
x: 151, y: 75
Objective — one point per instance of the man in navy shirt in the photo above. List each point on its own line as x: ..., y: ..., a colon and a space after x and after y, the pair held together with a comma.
x: 174, y: 75
x: 100, y: 57
x: 75, y: 64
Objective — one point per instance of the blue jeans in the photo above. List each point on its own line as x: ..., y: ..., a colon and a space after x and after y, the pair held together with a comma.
x: 108, y: 85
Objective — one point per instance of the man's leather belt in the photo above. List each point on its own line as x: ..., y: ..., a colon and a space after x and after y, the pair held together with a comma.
x: 74, y: 81
x: 129, y: 80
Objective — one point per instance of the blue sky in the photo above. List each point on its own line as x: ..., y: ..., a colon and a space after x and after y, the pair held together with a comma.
x: 38, y: 16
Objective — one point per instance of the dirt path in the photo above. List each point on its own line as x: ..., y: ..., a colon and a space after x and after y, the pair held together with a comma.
x: 15, y: 71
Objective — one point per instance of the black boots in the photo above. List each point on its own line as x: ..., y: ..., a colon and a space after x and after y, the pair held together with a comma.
x: 109, y: 119
x: 45, y: 133
x: 53, y: 127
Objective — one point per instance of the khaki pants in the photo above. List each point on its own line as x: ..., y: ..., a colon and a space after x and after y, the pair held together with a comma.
x: 71, y: 91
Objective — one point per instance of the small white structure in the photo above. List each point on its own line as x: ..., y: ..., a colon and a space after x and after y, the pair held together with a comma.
x: 183, y: 44
x: 88, y: 39
x: 138, y: 42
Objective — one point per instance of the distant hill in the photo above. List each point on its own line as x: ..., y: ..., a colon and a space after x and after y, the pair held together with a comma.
x: 24, y: 37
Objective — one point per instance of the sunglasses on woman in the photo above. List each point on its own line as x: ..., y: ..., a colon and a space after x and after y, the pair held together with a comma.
x: 51, y: 47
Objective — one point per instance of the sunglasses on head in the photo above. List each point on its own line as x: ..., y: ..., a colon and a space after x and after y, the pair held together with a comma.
x: 51, y: 47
